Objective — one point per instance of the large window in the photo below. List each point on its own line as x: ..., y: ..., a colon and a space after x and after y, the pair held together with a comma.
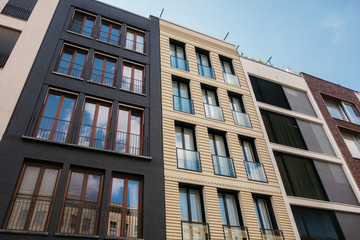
x: 300, y: 177
x: 94, y: 128
x: 71, y: 61
x: 203, y: 62
x: 223, y: 164
x: 181, y: 95
x: 238, y: 109
x: 254, y: 169
x: 55, y: 119
x: 82, y: 23
x: 135, y: 40
x: 133, y: 78
x: 187, y: 156
x: 124, y: 219
x: 129, y: 131
x: 211, y: 104
x: 110, y: 32
x: 8, y: 39
x: 103, y: 70
x: 342, y: 110
x: 81, y: 206
x: 353, y: 144
x: 177, y: 56
x: 33, y: 201
x: 228, y: 71
x: 19, y: 9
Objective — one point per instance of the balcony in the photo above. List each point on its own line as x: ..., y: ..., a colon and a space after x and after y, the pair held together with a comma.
x: 188, y: 159
x: 242, y: 119
x: 272, y: 234
x: 206, y: 71
x: 195, y: 231
x: 179, y: 63
x: 128, y: 143
x: 213, y: 112
x: 183, y: 104
x: 16, y: 12
x: 223, y: 166
x: 231, y: 79
x: 102, y: 77
x: 255, y: 171
x: 81, y: 29
x: 136, y: 46
x: 70, y: 68
x: 132, y: 85
x: 235, y: 232
x: 3, y: 59
x: 123, y: 217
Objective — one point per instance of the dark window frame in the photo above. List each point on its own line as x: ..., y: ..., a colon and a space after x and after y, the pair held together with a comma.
x: 229, y: 61
x: 267, y: 199
x: 237, y: 202
x: 86, y: 15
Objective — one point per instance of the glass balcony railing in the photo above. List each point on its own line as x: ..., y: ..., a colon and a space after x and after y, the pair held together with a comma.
x: 242, y: 119
x: 235, y: 232
x: 188, y: 159
x: 117, y: 215
x: 223, y: 166
x: 214, y: 112
x: 183, y: 104
x: 195, y: 231
x: 255, y: 171
x: 231, y: 79
x: 179, y: 63
x: 272, y: 234
x: 206, y: 71
x: 16, y: 12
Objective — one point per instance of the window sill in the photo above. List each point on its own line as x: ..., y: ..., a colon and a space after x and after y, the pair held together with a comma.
x: 140, y: 94
x: 69, y: 76
x: 71, y: 235
x: 23, y: 232
x: 99, y: 84
x: 78, y: 34
x: 88, y: 148
x: 131, y: 50
x: 98, y: 40
x: 123, y: 238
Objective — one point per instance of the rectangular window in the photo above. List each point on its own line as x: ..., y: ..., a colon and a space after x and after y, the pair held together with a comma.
x: 135, y: 40
x: 192, y: 215
x: 8, y: 39
x: 254, y: 169
x: 125, y: 209
x: 103, y: 70
x: 82, y: 23
x: 238, y: 109
x: 181, y: 96
x: 300, y: 177
x: 187, y: 155
x: 94, y: 128
x: 342, y: 110
x: 223, y: 165
x: 55, y: 119
x: 129, y: 131
x: 133, y: 78
x: 203, y: 62
x: 177, y: 56
x: 33, y: 201
x: 19, y: 9
x: 211, y: 104
x: 72, y: 61
x: 81, y: 206
x: 228, y: 71
x: 110, y: 32
x: 353, y: 144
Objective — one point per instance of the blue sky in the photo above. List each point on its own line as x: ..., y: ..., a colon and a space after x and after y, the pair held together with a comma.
x: 318, y: 37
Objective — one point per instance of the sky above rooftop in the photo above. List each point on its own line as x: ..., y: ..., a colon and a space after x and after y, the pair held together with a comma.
x: 321, y: 37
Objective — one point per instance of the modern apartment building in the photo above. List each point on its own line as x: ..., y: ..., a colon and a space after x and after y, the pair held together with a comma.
x: 220, y: 182
x: 320, y: 191
x: 340, y: 108
x: 82, y: 153
x: 23, y: 25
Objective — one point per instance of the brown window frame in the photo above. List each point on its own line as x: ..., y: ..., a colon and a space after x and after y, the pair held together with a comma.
x: 133, y: 67
x: 111, y: 26
x: 105, y: 59
x: 86, y: 15
x: 75, y: 51
x: 136, y: 33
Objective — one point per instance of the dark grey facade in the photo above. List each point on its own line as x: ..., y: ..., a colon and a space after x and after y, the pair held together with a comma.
x: 102, y: 151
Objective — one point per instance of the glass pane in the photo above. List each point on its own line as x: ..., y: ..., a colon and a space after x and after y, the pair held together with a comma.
x: 189, y: 139
x: 353, y: 115
x: 48, y: 182
x: 92, y: 187
x: 195, y: 205
x: 226, y: 67
x: 52, y: 105
x: 212, y: 144
x: 232, y: 210
x: 220, y: 146
x: 211, y: 98
x: 262, y: 214
x: 183, y: 205
x: 178, y: 136
x: 104, y: 32
x: 172, y: 50
x: 138, y: 80
x: 335, y: 110
x: 67, y: 108
x: 175, y: 88
x: 222, y: 209
x: 89, y: 23
x: 115, y: 34
x: 133, y: 194
x: 117, y: 190
x: 184, y: 90
x: 180, y: 52
x: 248, y: 154
x: 122, y: 128
x: 75, y: 186
x: 203, y: 91
x: 48, y: 117
x: 86, y: 124
x: 78, y: 65
x: 29, y: 180
x: 236, y: 105
x: 135, y: 134
x: 204, y: 60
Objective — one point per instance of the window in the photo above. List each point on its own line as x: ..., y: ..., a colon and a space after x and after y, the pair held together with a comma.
x: 129, y: 131
x: 181, y: 96
x: 231, y: 217
x: 192, y: 215
x: 33, y: 201
x: 211, y: 104
x: 133, y: 78
x: 124, y: 219
x: 82, y: 23
x: 8, y: 39
x: 110, y: 32
x: 238, y: 109
x: 177, y: 56
x: 254, y: 169
x: 103, y: 70
x: 300, y: 177
x: 223, y: 165
x: 203, y: 62
x: 343, y: 111
x: 228, y: 71
x: 71, y: 61
x: 316, y: 224
x: 94, y: 128
x: 19, y: 9
x: 55, y: 119
x: 135, y: 40
x: 353, y: 144
x: 187, y: 156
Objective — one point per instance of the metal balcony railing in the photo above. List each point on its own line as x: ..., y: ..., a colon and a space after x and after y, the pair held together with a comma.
x: 214, y: 112
x: 206, y: 71
x: 255, y: 171
x: 272, y: 234
x: 52, y: 129
x: 183, y: 104
x: 188, y: 159
x: 70, y: 68
x: 236, y: 232
x: 16, y: 12
x: 3, y: 59
x: 110, y: 38
x: 102, y: 77
x: 128, y: 143
x: 136, y: 46
x: 231, y: 79
x: 195, y: 231
x: 223, y: 166
x: 132, y: 84
x: 91, y: 136
x: 127, y: 218
x: 179, y: 63
x: 242, y: 119
x: 81, y: 29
